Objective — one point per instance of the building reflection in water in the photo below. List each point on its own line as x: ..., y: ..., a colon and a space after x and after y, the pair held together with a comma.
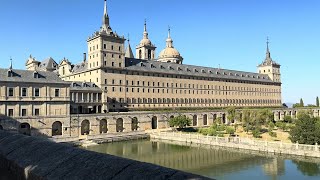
x: 204, y: 161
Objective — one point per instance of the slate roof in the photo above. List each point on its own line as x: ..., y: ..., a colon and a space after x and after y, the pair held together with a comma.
x: 29, y: 77
x: 181, y: 69
x: 84, y: 86
x: 48, y: 64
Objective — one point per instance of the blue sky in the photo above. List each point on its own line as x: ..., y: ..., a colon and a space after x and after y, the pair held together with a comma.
x: 229, y: 33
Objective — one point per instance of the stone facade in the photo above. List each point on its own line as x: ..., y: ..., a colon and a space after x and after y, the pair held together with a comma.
x: 148, y: 83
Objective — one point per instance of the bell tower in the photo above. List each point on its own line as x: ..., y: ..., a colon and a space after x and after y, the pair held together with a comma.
x: 270, y: 67
x: 145, y: 50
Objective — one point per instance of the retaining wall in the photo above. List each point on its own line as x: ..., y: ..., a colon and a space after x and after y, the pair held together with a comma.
x: 37, y: 159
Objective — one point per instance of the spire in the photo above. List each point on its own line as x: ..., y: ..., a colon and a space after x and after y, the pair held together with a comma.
x: 129, y: 53
x: 105, y: 20
x: 169, y: 40
x: 268, y: 55
x: 145, y: 32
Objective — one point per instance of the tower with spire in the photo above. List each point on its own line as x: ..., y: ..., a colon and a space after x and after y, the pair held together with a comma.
x: 145, y: 49
x: 270, y: 67
x: 105, y: 47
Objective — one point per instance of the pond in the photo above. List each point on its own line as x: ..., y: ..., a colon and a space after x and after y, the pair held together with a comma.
x: 214, y: 163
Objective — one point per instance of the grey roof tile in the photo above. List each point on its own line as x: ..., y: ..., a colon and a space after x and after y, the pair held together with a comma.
x: 26, y: 76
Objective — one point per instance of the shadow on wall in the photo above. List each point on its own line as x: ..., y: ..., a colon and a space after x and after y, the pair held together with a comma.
x: 14, y: 126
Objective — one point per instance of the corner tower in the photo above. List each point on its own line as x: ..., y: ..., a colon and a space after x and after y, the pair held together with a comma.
x: 105, y: 47
x: 145, y: 50
x: 270, y: 67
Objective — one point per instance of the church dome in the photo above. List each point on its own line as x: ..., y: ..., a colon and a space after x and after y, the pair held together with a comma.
x: 169, y: 52
x: 145, y: 42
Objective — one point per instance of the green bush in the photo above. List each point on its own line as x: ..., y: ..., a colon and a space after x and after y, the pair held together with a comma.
x: 221, y: 127
x: 256, y: 133
x: 180, y: 121
x: 230, y: 130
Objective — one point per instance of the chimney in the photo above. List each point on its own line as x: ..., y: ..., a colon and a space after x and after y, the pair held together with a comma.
x: 84, y: 57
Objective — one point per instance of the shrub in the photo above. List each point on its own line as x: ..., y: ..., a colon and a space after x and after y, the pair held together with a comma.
x: 256, y: 133
x: 230, y: 130
x: 180, y: 121
x: 221, y: 127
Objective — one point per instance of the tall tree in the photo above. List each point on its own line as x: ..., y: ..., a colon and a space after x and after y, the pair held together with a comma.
x: 301, y: 103
x: 317, y: 102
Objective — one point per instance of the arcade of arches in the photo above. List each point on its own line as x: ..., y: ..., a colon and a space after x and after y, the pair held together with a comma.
x: 125, y: 122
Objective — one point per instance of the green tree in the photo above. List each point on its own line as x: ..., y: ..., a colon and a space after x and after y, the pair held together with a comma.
x: 246, y: 119
x: 306, y: 129
x: 230, y: 130
x: 301, y: 103
x: 231, y: 113
x: 317, y: 102
x: 180, y: 121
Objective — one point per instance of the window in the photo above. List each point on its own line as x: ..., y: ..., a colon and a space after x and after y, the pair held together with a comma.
x: 23, y: 112
x: 10, y: 112
x: 36, y: 112
x: 36, y: 92
x: 104, y: 46
x: 23, y: 92
x: 112, y: 64
x: 10, y: 92
x: 56, y: 92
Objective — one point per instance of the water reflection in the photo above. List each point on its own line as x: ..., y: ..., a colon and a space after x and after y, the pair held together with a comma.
x: 216, y: 163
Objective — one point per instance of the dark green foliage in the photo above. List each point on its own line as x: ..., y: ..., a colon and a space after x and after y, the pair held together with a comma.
x: 281, y: 125
x: 306, y: 129
x: 180, y: 121
x: 301, y: 103
x: 256, y: 132
x: 287, y: 119
x: 317, y: 102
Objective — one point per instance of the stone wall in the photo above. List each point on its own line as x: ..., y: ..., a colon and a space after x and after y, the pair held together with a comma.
x: 36, y: 158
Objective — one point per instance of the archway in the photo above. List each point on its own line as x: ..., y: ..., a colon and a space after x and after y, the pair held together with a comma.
x: 154, y: 122
x: 103, y: 126
x: 205, y: 119
x: 85, y: 127
x: 24, y: 128
x: 1, y: 128
x: 57, y: 128
x: 134, y: 124
x: 195, y: 120
x: 119, y: 126
x: 223, y: 118
x: 214, y: 117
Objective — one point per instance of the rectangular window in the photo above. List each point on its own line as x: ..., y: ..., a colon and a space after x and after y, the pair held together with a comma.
x: 56, y: 92
x: 104, y: 46
x: 10, y: 112
x: 23, y: 112
x: 23, y: 92
x: 112, y: 64
x: 36, y: 92
x: 10, y: 92
x: 36, y: 112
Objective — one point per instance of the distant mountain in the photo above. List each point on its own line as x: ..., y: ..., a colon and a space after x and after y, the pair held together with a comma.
x: 289, y: 104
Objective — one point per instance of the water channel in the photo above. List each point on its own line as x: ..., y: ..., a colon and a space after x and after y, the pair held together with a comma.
x: 214, y: 163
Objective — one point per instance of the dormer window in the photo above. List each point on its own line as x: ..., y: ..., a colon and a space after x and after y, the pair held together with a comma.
x: 188, y: 70
x: 210, y: 72
x: 217, y: 73
x: 203, y: 71
x: 142, y: 65
x: 10, y: 73
x: 224, y: 73
x: 162, y: 67
x: 195, y: 70
x: 35, y: 75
